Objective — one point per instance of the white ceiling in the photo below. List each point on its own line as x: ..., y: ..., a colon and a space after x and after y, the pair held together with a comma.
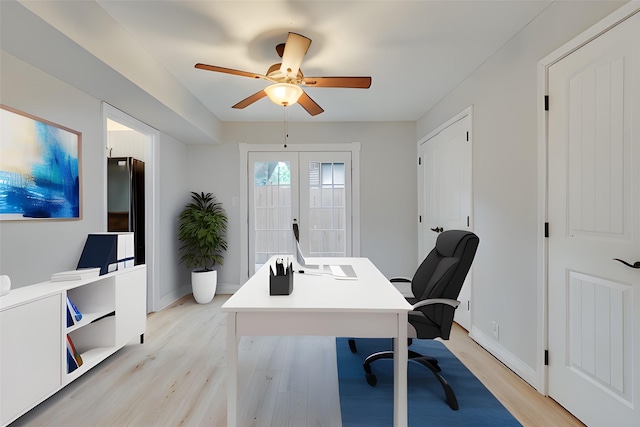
x: 415, y: 51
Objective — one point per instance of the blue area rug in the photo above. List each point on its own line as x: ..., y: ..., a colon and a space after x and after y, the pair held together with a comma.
x: 363, y: 405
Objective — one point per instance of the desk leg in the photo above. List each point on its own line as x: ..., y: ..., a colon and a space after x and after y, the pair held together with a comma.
x: 232, y: 371
x: 400, y: 360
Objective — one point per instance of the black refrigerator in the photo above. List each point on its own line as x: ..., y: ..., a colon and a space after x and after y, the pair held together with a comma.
x: 125, y: 200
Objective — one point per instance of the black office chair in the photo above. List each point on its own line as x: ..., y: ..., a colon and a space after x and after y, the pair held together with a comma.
x: 435, y: 286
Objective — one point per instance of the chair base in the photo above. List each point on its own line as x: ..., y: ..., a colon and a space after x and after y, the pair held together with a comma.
x: 426, y: 361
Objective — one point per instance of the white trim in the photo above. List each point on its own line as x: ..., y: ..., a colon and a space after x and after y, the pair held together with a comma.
x: 542, y: 245
x: 152, y: 243
x: 174, y: 296
x: 542, y: 338
x: 245, y: 148
x: 464, y: 113
x: 622, y: 14
x: 510, y: 360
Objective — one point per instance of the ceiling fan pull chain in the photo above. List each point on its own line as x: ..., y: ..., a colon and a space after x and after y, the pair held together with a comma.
x: 286, y: 126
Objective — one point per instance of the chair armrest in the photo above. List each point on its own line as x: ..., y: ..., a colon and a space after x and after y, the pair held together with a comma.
x: 403, y: 285
x: 453, y: 303
x: 400, y: 279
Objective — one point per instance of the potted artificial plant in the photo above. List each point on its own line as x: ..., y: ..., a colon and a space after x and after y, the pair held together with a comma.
x: 202, y: 232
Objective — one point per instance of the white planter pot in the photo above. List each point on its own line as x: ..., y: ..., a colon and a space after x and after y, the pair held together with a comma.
x: 203, y: 285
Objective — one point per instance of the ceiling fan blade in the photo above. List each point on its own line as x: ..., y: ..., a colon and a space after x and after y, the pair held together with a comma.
x: 250, y: 100
x: 294, y: 50
x: 230, y: 71
x: 280, y: 49
x: 309, y: 104
x: 348, y: 82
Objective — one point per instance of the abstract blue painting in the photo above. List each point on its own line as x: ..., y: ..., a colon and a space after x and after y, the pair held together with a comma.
x: 39, y: 168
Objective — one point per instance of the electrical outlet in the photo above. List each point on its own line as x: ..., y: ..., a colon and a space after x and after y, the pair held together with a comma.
x: 496, y: 330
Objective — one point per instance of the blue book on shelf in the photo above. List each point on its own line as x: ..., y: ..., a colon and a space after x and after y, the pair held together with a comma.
x: 70, y: 321
x: 72, y: 365
x: 100, y: 251
x: 73, y: 310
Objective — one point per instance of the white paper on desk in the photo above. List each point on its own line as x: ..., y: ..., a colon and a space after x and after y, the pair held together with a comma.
x: 343, y: 272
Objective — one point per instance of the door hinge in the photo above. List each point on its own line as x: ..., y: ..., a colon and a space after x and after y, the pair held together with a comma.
x: 419, y: 161
x: 468, y: 305
x: 546, y: 358
x: 546, y: 229
x: 467, y: 136
x: 546, y: 103
x: 468, y: 222
x: 419, y: 218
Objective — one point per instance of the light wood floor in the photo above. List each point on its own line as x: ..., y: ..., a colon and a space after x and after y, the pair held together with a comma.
x: 177, y: 378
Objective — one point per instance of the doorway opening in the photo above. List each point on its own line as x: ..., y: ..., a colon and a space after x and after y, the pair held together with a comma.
x: 130, y: 198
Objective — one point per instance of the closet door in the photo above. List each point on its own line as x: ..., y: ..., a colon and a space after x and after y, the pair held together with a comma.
x: 447, y: 198
x: 594, y: 218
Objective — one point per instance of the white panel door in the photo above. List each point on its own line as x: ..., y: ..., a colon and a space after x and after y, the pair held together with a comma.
x: 447, y: 194
x: 594, y: 217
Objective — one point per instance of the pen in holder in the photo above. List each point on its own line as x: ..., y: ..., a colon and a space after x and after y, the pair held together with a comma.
x: 281, y: 282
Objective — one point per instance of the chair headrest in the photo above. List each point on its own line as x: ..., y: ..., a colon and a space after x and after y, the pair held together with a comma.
x: 448, y: 242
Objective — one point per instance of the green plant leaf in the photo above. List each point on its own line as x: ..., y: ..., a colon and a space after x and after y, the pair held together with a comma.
x: 202, y: 227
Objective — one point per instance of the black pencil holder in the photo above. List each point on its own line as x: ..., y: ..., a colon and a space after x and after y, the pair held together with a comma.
x: 282, y: 284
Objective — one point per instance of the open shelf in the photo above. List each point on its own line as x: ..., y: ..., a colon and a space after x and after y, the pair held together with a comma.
x: 90, y: 359
x: 101, y: 333
x: 113, y: 308
x: 88, y: 318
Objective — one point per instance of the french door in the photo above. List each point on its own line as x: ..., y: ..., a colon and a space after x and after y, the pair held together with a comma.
x: 312, y: 188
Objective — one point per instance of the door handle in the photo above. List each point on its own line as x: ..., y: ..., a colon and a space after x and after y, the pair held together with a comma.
x: 296, y: 230
x: 438, y: 229
x: 634, y: 265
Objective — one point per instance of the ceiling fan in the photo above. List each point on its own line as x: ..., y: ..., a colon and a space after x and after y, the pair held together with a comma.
x: 287, y: 78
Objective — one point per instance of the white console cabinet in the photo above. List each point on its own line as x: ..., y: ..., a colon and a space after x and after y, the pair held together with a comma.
x: 33, y: 333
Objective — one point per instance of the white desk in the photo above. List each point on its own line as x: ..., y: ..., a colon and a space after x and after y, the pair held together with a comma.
x: 321, y: 305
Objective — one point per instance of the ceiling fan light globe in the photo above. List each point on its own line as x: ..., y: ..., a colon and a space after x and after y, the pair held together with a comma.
x: 283, y: 93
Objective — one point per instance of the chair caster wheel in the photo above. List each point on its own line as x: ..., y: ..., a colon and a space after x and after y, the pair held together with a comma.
x: 371, y: 379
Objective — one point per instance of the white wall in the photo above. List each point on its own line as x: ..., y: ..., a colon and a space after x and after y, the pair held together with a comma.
x: 505, y: 178
x: 31, y: 250
x: 175, y: 281
x: 388, y: 205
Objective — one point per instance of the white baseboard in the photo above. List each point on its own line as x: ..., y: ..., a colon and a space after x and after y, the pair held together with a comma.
x: 173, y: 296
x: 524, y: 371
x: 222, y: 289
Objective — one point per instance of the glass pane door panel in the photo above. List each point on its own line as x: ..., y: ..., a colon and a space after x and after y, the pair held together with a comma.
x: 325, y: 216
x: 272, y: 197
